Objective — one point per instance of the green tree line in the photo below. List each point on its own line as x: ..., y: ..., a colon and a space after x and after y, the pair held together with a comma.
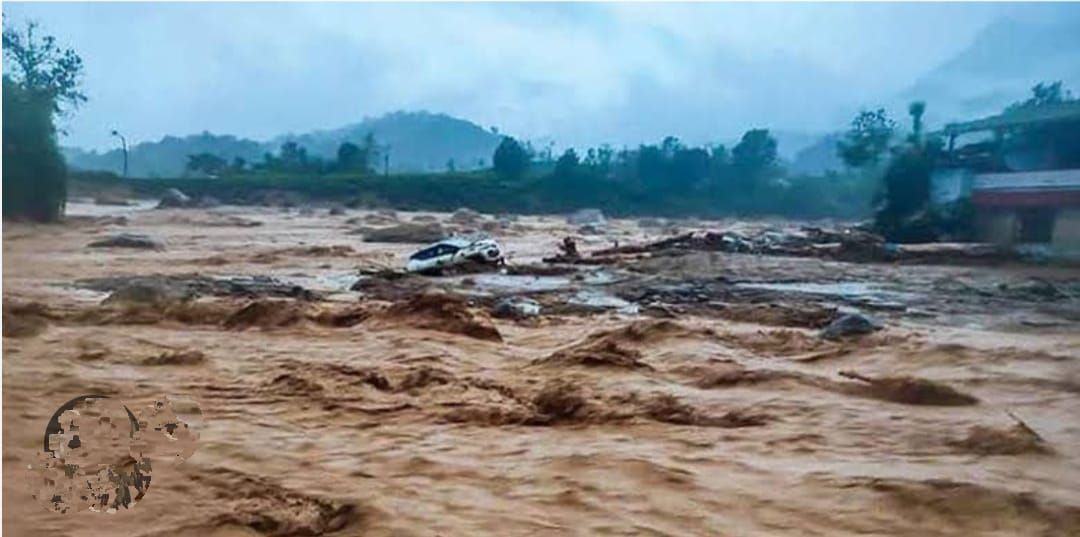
x: 669, y: 177
x: 291, y: 158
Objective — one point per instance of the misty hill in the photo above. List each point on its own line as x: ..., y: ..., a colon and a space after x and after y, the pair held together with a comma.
x: 819, y: 157
x: 997, y: 69
x: 804, y: 152
x: 165, y: 158
x: 790, y: 143
x: 1000, y: 66
x: 418, y: 141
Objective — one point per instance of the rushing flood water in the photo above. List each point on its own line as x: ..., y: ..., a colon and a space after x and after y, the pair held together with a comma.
x: 328, y: 282
x: 600, y: 300
x: 506, y: 283
x: 510, y: 283
x: 844, y: 289
x: 861, y: 293
x: 409, y: 425
x: 83, y: 208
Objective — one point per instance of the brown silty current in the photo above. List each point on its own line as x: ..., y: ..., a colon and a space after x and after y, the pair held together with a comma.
x: 360, y: 413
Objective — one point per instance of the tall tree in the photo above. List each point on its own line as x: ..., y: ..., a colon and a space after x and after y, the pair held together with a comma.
x: 867, y: 139
x: 756, y: 150
x: 754, y: 158
x: 206, y: 163
x: 511, y: 159
x: 39, y: 65
x: 293, y: 157
x: 371, y: 149
x: 41, y: 80
x: 904, y: 213
x: 651, y: 166
x: 567, y: 165
x: 916, y: 111
x: 352, y: 158
x: 689, y: 166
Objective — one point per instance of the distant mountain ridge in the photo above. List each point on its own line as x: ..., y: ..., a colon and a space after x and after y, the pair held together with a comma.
x: 997, y: 69
x: 1000, y: 66
x: 165, y: 158
x: 417, y: 142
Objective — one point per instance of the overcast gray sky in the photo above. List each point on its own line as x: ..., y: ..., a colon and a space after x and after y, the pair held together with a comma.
x: 576, y: 73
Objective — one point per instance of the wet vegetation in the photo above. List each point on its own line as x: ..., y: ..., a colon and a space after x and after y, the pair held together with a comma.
x: 887, y: 173
x: 40, y: 83
x: 887, y: 176
x: 667, y: 179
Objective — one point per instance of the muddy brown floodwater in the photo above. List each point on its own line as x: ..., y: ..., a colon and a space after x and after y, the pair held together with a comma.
x: 675, y: 394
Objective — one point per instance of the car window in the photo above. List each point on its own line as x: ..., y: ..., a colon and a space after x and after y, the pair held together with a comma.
x: 434, y: 251
x: 427, y: 253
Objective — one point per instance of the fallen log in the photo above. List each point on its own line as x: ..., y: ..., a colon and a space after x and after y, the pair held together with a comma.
x: 685, y: 240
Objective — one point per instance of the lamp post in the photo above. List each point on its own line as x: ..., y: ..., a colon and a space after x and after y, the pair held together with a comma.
x: 123, y: 144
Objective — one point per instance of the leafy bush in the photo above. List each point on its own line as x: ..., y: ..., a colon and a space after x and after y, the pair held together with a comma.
x: 34, y: 184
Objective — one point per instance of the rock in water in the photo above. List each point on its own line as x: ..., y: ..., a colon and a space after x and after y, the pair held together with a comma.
x: 149, y: 292
x: 128, y: 240
x: 406, y: 233
x: 173, y: 198
x: 851, y: 324
x: 591, y: 229
x: 516, y: 308
x: 465, y: 215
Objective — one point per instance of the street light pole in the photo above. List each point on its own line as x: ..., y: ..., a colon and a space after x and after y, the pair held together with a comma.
x: 386, y: 161
x: 123, y: 144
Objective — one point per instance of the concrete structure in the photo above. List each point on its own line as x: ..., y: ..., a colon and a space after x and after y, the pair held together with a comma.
x: 1029, y: 208
x: 1022, y: 194
x: 1017, y: 118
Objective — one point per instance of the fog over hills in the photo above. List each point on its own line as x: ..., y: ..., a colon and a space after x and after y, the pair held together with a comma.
x: 164, y: 158
x: 1000, y: 66
x: 605, y: 74
x: 418, y: 142
x: 997, y: 69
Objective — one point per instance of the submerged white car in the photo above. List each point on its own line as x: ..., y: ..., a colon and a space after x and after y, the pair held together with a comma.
x: 455, y: 251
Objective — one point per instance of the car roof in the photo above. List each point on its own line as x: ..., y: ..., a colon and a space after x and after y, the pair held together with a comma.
x: 463, y: 241
x: 459, y: 242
